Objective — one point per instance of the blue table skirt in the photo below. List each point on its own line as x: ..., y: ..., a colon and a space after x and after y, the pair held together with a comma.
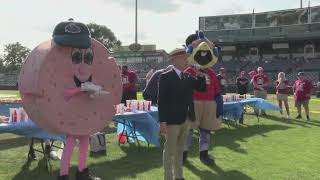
x: 145, y: 123
x: 233, y: 110
x: 147, y: 126
x: 29, y: 130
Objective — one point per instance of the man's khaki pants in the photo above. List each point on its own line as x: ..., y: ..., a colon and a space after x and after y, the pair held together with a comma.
x: 173, y: 150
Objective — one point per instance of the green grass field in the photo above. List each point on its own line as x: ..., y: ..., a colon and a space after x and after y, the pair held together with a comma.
x: 9, y: 92
x: 272, y: 149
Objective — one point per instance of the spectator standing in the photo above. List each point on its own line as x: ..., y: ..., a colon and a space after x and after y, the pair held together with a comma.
x: 260, y: 85
x: 302, y: 89
x: 151, y: 91
x: 242, y: 83
x: 251, y: 74
x: 129, y: 80
x: 149, y: 74
x: 282, y: 86
x: 222, y: 80
x: 175, y: 108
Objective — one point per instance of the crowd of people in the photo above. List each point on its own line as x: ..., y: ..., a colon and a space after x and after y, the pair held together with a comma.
x: 302, y: 89
x: 256, y: 80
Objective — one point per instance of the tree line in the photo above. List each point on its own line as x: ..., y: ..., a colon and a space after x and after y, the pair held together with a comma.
x: 14, y: 54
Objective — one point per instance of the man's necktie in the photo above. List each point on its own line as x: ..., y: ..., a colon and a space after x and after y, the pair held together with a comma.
x: 182, y: 76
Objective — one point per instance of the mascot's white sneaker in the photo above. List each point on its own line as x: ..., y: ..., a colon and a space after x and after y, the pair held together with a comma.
x: 54, y: 155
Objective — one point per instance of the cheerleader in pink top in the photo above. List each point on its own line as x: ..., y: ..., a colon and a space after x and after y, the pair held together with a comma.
x: 282, y: 92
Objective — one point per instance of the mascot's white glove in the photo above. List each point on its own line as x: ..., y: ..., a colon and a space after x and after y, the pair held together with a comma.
x: 90, y: 87
x: 99, y: 93
x: 94, y: 90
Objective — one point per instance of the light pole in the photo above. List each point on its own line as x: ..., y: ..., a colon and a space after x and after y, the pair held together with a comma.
x: 135, y: 46
x: 136, y: 35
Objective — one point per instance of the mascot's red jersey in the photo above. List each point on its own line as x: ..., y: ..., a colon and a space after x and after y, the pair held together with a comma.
x: 213, y: 87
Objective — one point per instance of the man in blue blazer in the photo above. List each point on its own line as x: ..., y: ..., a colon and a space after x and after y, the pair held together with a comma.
x: 175, y: 110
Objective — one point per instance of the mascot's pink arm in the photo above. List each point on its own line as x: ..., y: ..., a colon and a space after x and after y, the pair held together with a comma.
x: 70, y: 92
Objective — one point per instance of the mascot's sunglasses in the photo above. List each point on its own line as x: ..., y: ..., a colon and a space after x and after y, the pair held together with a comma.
x: 76, y: 56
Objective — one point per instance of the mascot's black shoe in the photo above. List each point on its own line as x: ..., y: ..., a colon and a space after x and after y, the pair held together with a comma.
x: 85, y: 175
x: 64, y: 177
x: 205, y: 159
x: 32, y: 155
x: 185, y: 157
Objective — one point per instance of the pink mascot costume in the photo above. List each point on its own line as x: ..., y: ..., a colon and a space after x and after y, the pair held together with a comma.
x: 69, y: 85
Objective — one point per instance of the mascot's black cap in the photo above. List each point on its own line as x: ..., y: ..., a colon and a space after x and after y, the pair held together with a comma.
x: 191, y: 38
x: 72, y: 34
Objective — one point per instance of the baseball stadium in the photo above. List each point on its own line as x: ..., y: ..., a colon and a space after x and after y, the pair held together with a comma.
x: 240, y: 100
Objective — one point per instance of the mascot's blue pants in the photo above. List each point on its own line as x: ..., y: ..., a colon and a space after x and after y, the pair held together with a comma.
x: 204, y: 140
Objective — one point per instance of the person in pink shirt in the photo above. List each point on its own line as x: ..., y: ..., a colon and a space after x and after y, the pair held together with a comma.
x: 302, y: 89
x: 282, y: 92
x: 251, y: 75
x: 129, y: 79
x: 260, y: 86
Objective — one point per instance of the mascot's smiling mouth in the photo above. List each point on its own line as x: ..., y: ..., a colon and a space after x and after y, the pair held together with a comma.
x: 78, y: 82
x: 203, y: 57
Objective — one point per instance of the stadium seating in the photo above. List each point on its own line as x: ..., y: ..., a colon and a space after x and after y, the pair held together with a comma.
x: 9, y: 81
x: 315, y: 27
x: 295, y: 29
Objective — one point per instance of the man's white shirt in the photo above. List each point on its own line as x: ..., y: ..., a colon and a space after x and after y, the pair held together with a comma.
x: 177, y: 71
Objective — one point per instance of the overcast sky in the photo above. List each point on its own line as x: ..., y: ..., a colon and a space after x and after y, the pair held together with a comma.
x: 165, y: 23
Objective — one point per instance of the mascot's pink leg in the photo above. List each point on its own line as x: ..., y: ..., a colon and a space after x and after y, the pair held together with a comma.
x: 66, y: 155
x: 83, y: 152
x: 83, y: 172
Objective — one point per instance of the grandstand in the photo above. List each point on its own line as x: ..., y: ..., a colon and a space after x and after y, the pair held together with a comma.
x: 285, y: 40
x: 142, y: 61
x: 9, y: 81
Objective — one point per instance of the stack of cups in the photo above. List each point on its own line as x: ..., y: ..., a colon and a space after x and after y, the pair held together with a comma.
x: 24, y: 116
x: 134, y: 104
x: 120, y: 108
x: 225, y: 98
x: 140, y: 105
x: 146, y: 105
x: 17, y: 115
x: 129, y: 104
